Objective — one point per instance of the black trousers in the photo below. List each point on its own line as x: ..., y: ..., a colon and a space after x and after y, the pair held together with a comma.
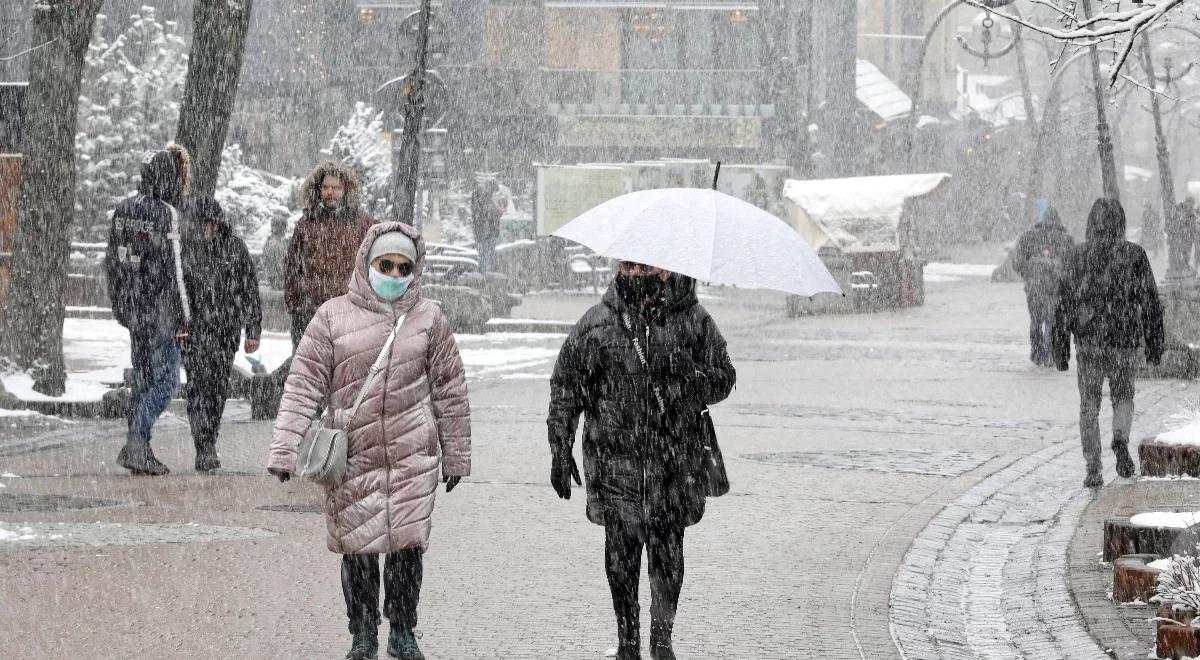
x: 207, y: 364
x: 623, y: 545
x: 402, y: 572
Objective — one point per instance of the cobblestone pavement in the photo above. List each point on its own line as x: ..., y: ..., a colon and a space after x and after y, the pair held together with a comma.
x: 846, y: 437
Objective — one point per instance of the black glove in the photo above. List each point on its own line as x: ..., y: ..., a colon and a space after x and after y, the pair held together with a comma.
x: 562, y: 470
x: 283, y: 476
x: 451, y: 482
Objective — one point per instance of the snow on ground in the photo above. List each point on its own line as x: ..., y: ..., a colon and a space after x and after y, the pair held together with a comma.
x: 97, y: 353
x: 1184, y: 435
x: 16, y: 534
x: 1161, y: 564
x: 1178, y: 519
x: 957, y: 272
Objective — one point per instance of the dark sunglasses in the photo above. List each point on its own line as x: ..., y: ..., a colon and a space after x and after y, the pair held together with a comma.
x: 386, y: 266
x: 630, y: 265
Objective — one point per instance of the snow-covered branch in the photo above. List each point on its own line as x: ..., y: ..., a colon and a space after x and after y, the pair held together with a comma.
x: 1104, y: 26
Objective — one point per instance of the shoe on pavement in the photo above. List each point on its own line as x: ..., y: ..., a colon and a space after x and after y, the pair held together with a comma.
x: 660, y: 641
x: 207, y: 459
x: 137, y: 458
x: 629, y: 653
x: 402, y: 644
x: 364, y: 647
x: 1125, y: 466
x: 1093, y: 480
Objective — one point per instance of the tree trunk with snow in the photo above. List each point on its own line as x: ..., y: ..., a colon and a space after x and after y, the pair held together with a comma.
x: 33, y: 323
x: 218, y: 45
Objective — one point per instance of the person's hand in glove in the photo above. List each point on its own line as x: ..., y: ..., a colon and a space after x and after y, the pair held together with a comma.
x: 283, y: 476
x: 451, y: 482
x: 562, y: 470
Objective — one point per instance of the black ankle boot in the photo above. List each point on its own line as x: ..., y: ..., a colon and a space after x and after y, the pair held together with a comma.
x: 660, y: 640
x: 402, y: 643
x: 136, y: 457
x: 364, y: 647
x: 1125, y: 466
x: 206, y: 457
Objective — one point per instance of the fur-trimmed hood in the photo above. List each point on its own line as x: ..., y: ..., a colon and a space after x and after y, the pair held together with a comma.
x: 310, y: 190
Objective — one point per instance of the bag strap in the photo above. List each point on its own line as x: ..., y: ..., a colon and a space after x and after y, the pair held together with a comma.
x: 173, y: 235
x: 380, y: 360
x: 637, y: 348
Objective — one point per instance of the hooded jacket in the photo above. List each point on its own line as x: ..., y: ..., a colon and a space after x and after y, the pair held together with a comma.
x: 1041, y: 254
x: 640, y: 464
x: 222, y: 285
x: 1108, y: 297
x: 139, y: 262
x: 320, y: 256
x: 415, y: 419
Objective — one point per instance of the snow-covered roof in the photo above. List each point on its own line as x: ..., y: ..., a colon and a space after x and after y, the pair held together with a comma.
x: 854, y: 213
x: 880, y: 94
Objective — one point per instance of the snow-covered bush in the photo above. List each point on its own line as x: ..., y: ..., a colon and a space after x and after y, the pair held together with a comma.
x: 359, y: 143
x: 129, y: 104
x: 252, y: 199
x: 1178, y: 585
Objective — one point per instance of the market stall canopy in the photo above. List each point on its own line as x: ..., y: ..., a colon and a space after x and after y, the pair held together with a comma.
x: 854, y: 214
x: 880, y: 94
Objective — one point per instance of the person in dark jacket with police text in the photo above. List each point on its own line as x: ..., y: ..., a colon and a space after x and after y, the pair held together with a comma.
x: 147, y: 293
x: 1109, y: 302
x: 223, y: 290
x: 1038, y: 259
x: 642, y: 367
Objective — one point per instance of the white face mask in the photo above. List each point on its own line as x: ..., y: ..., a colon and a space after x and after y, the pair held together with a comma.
x: 386, y: 286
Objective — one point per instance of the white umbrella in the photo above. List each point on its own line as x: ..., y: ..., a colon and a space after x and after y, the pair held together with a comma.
x: 704, y: 234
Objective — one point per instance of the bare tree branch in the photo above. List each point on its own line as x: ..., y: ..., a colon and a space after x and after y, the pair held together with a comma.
x: 27, y: 51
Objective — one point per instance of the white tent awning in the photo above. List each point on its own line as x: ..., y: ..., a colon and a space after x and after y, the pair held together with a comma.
x: 880, y: 94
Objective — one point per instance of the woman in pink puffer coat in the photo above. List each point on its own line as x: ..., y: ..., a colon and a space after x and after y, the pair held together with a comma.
x: 415, y: 419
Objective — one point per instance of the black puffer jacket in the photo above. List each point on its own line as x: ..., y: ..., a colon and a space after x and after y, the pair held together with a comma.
x: 1041, y: 254
x: 221, y: 284
x: 139, y: 261
x: 641, y: 465
x: 1108, y: 297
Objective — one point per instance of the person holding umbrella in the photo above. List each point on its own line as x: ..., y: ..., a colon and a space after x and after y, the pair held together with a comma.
x: 642, y: 367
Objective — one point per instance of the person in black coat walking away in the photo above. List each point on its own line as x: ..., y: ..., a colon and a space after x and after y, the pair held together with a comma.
x: 642, y: 367
x: 144, y: 274
x: 1109, y: 302
x: 224, y: 293
x: 485, y: 222
x: 1038, y: 258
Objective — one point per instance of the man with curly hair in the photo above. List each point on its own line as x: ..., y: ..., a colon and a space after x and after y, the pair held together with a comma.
x: 320, y: 257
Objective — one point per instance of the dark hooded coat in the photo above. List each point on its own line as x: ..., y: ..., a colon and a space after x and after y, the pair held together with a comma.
x: 1108, y: 297
x: 221, y: 282
x: 641, y: 466
x: 1041, y: 255
x: 139, y: 262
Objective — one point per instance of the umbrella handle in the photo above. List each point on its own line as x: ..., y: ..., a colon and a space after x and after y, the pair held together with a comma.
x: 716, y: 175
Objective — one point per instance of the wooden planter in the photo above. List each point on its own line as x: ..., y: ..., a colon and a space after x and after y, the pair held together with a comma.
x: 1176, y: 639
x: 1123, y: 538
x: 1133, y: 579
x: 1163, y: 460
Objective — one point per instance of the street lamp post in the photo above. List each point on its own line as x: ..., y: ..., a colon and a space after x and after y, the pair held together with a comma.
x: 1177, y: 260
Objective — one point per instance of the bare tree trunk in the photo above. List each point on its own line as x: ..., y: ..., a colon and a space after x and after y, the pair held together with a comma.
x: 33, y: 324
x: 218, y: 44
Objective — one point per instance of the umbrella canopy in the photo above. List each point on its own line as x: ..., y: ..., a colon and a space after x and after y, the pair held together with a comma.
x: 704, y: 234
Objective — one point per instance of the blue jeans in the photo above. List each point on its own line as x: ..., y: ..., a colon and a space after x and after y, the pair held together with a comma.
x: 487, y: 250
x: 155, y: 378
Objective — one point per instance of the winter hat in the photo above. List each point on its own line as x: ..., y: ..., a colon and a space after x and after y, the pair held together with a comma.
x: 207, y: 209
x: 393, y: 242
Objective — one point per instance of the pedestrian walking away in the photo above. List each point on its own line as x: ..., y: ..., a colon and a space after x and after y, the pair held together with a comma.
x: 1039, y: 258
x: 485, y: 222
x: 223, y: 290
x: 641, y: 367
x: 320, y: 256
x: 146, y: 290
x: 413, y: 422
x: 1109, y: 303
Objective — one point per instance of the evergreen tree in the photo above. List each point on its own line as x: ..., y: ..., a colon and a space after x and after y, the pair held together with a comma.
x: 359, y: 144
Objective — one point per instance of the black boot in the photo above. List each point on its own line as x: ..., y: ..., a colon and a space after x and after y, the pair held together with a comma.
x: 206, y: 456
x: 364, y: 647
x: 1125, y: 466
x: 402, y: 643
x: 136, y: 457
x: 629, y: 635
x: 1094, y: 478
x: 660, y: 640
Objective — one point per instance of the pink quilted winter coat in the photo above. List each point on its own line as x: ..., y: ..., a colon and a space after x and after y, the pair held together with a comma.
x: 415, y: 418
